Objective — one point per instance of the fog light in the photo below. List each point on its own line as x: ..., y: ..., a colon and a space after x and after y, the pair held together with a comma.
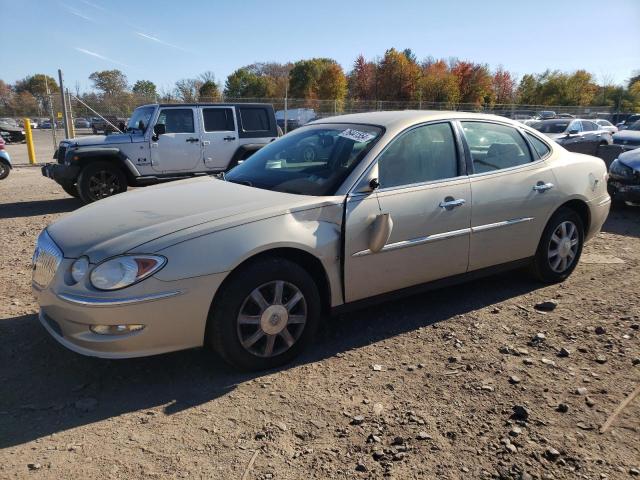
x: 115, y: 329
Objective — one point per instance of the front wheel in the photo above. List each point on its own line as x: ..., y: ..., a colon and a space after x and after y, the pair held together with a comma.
x: 560, y: 247
x: 100, y: 180
x: 266, y: 314
x: 4, y: 170
x: 70, y: 189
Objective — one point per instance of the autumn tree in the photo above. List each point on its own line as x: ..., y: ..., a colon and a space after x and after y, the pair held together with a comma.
x: 398, y: 77
x: 474, y: 82
x: 438, y: 84
x: 23, y: 104
x: 504, y: 86
x: 109, y: 82
x: 362, y: 80
x: 188, y: 89
x: 317, y: 78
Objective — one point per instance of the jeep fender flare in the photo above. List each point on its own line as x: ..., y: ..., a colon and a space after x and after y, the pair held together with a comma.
x: 243, y: 152
x: 84, y: 155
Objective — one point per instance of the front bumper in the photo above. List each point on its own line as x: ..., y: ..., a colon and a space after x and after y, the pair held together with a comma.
x: 174, y: 315
x: 624, y: 192
x: 61, y: 173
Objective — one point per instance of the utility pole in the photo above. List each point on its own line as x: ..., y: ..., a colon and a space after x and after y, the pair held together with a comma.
x: 72, y: 129
x: 63, y: 97
x: 51, y: 116
x: 286, y: 94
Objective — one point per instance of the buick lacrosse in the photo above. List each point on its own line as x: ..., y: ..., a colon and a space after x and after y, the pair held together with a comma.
x: 339, y: 212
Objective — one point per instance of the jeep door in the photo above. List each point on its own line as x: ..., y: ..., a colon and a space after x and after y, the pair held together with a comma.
x: 425, y: 190
x: 219, y: 137
x: 178, y: 149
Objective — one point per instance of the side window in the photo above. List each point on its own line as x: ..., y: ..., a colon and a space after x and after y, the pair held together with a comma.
x: 423, y: 154
x: 538, y: 145
x: 218, y: 119
x: 588, y: 126
x: 177, y: 120
x: 494, y: 146
x: 575, y: 125
x: 254, y: 119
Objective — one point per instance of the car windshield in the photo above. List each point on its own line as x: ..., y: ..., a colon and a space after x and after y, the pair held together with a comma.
x: 140, y: 119
x: 551, y: 127
x: 313, y: 160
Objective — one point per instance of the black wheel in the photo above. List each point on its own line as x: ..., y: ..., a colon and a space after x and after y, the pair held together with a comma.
x: 71, y: 189
x: 100, y: 180
x: 560, y: 247
x: 266, y: 314
x: 4, y: 170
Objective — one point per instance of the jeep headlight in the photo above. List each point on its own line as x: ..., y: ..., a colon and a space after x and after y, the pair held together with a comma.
x: 619, y: 169
x: 124, y: 271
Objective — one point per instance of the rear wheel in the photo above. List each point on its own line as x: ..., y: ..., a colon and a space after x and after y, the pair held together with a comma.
x: 267, y: 313
x: 100, y: 180
x: 560, y: 247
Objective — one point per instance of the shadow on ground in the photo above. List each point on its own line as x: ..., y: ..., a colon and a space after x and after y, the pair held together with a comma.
x: 38, y: 207
x: 41, y: 380
x: 623, y: 221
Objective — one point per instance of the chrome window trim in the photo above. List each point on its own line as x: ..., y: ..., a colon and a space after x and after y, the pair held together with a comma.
x: 114, y: 302
x: 444, y: 235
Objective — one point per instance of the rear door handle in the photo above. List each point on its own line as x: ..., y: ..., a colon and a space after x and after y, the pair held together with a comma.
x: 543, y: 187
x: 450, y: 203
x: 229, y: 139
x: 192, y: 140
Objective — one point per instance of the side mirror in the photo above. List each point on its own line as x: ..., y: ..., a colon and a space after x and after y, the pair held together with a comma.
x: 158, y: 129
x: 380, y: 232
x: 374, y: 184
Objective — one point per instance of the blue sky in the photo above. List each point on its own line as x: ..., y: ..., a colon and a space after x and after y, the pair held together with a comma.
x: 165, y: 41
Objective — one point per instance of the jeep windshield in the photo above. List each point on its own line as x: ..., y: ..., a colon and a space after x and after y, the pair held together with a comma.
x: 312, y: 160
x: 139, y: 120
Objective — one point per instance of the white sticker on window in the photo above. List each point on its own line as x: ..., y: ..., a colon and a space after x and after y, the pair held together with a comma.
x: 356, y: 135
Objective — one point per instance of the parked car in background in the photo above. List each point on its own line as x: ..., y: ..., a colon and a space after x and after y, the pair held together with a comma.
x: 565, y: 115
x: 107, y: 124
x: 81, y: 123
x: 296, y: 117
x: 627, y: 122
x: 46, y: 124
x: 579, y: 135
x: 5, y: 161
x: 10, y: 130
x: 624, y: 178
x: 162, y: 142
x: 605, y: 125
x: 546, y: 114
x: 248, y: 264
x: 9, y: 121
x: 628, y: 138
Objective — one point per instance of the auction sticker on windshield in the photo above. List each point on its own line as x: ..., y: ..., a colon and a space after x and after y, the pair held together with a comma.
x: 356, y: 135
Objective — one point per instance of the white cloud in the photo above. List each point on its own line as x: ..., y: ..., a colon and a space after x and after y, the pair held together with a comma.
x: 101, y: 57
x: 162, y: 42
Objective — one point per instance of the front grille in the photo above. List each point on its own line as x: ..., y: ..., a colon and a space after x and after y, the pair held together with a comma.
x: 61, y: 152
x: 46, y: 260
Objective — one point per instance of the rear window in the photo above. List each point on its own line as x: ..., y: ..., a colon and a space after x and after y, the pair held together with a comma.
x: 254, y: 119
x: 551, y: 127
x: 218, y: 119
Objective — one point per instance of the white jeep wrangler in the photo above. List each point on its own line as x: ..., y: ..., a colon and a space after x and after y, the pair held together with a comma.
x: 162, y: 142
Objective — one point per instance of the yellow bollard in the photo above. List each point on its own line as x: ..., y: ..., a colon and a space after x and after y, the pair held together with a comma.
x: 30, y: 149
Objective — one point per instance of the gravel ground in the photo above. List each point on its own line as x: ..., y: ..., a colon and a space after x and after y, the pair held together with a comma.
x: 472, y: 381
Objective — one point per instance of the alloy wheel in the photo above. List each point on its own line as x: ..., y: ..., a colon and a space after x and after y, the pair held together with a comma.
x: 563, y: 246
x: 272, y: 319
x: 103, y: 184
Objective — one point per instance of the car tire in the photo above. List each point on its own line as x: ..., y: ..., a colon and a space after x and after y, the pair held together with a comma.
x: 288, y: 331
x: 4, y: 170
x: 71, y: 189
x: 562, y: 241
x: 100, y: 180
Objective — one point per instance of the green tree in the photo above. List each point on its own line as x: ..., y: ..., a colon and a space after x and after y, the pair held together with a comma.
x: 145, y: 88
x: 36, y: 85
x: 109, y: 82
x: 317, y: 78
x: 528, y: 90
x: 209, y: 91
x: 243, y: 83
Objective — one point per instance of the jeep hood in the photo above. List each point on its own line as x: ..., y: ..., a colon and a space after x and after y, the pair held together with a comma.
x: 118, y: 224
x: 91, y: 140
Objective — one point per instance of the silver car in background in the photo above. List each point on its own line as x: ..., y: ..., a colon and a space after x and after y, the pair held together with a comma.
x: 576, y: 135
x: 249, y: 264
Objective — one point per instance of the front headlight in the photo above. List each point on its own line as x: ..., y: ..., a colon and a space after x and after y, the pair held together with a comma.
x: 619, y: 169
x: 79, y: 269
x: 121, y: 272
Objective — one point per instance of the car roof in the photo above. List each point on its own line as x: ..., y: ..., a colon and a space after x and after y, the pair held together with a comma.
x: 210, y: 104
x: 406, y: 118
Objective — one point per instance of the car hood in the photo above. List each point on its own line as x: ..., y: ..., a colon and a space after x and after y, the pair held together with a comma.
x: 118, y: 224
x: 627, y: 135
x: 631, y: 159
x: 91, y: 140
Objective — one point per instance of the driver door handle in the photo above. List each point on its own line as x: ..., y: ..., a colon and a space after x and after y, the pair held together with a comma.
x: 543, y: 187
x: 229, y: 139
x: 449, y: 203
x: 192, y: 140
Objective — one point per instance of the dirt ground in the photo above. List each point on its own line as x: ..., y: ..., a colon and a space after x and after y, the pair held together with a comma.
x: 456, y: 383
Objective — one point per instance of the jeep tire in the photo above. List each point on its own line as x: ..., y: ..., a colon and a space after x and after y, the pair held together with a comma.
x: 100, y: 180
